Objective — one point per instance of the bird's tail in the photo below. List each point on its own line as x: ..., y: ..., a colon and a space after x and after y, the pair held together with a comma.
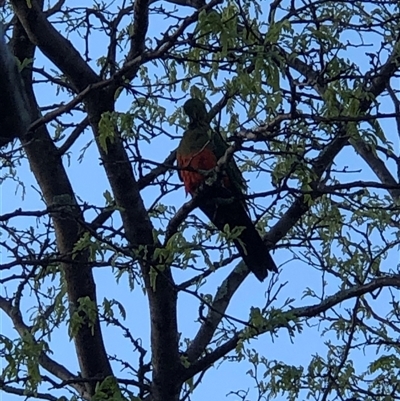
x: 255, y: 253
x: 251, y: 247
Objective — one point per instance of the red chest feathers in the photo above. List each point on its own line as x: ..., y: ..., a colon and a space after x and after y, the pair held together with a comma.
x: 202, y: 161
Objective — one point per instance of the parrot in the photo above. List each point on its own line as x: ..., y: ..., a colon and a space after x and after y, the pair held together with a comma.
x: 222, y: 202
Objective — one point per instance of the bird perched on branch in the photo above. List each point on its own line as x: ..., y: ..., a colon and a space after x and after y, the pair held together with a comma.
x: 222, y: 201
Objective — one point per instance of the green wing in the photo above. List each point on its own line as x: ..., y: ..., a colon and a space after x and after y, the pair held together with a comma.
x: 232, y: 169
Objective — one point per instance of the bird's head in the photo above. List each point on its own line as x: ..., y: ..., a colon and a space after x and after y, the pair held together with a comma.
x: 195, y: 110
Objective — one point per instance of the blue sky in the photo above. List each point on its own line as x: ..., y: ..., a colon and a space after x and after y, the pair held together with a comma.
x: 89, y: 182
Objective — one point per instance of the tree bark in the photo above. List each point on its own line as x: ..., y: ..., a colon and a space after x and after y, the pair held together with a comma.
x: 14, y: 116
x: 57, y: 191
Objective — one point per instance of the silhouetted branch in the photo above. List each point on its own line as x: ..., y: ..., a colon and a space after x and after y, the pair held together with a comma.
x: 14, y: 116
x: 293, y: 315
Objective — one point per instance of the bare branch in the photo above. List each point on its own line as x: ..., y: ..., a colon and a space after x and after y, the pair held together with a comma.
x: 291, y: 316
x: 24, y: 393
x: 58, y: 49
x: 216, y: 312
x: 197, y: 4
x: 75, y: 134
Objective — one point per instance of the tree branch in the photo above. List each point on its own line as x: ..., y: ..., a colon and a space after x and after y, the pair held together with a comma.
x: 379, y: 83
x: 164, y: 166
x: 58, y: 49
x: 140, y: 26
x: 56, y: 188
x: 46, y: 362
x: 75, y: 134
x: 14, y: 116
x: 197, y: 4
x: 291, y: 316
x: 26, y: 394
x: 216, y: 312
